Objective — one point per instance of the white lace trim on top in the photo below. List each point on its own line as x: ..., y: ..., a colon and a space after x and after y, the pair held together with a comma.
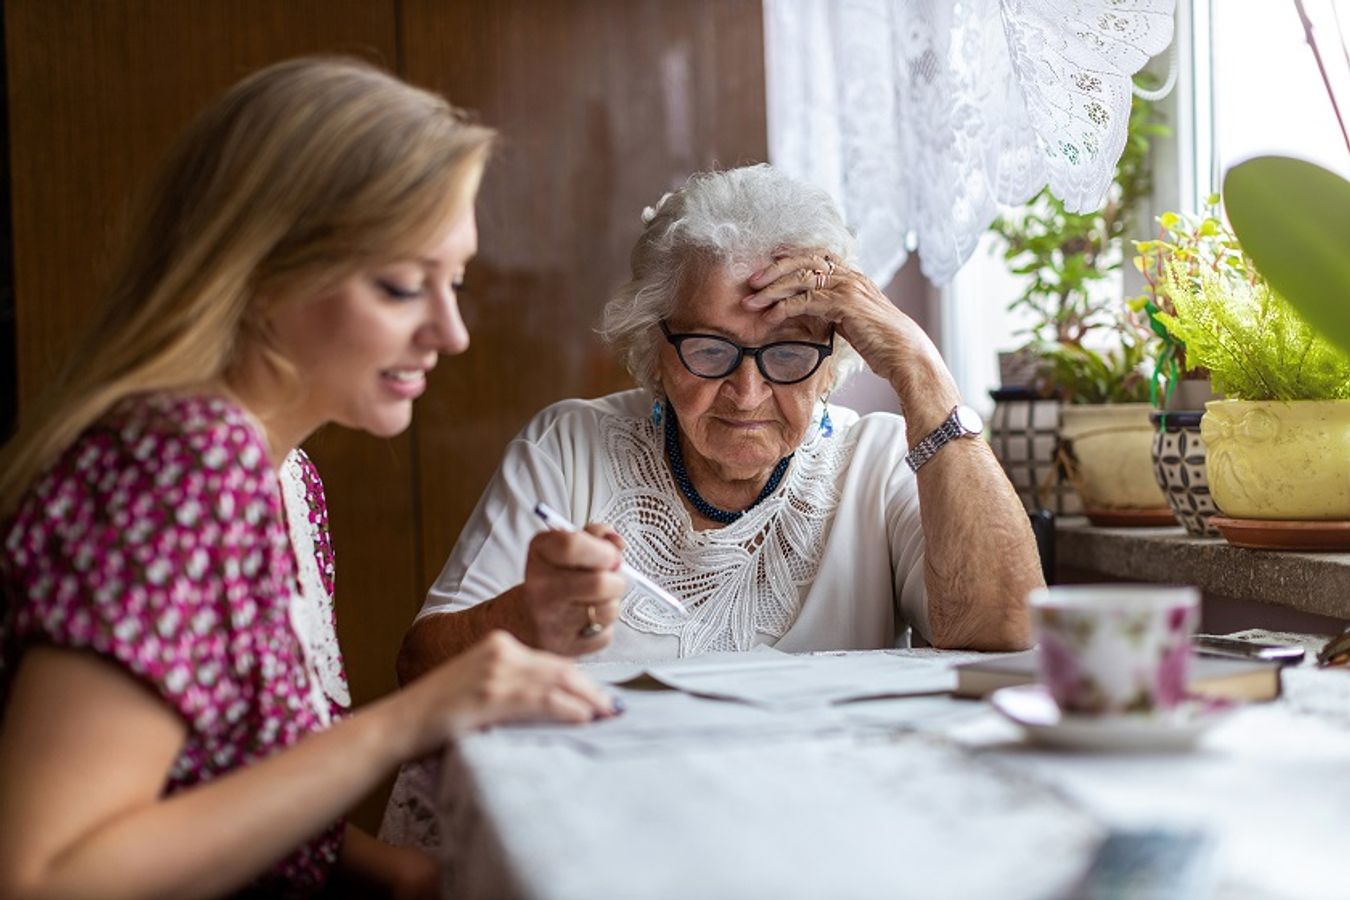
x: 311, y: 610
x: 739, y: 581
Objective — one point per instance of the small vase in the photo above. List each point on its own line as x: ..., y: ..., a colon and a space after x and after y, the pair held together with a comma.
x: 1024, y: 434
x: 1191, y: 395
x: 1019, y: 369
x: 1179, y: 467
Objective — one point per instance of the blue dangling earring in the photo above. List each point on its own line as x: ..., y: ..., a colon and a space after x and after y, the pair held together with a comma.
x: 826, y: 426
x: 657, y: 409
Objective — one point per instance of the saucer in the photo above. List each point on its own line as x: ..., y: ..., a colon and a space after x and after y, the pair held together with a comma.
x: 1031, y: 707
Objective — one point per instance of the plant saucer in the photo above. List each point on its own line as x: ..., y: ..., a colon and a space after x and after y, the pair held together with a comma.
x: 1284, y: 534
x: 1031, y: 707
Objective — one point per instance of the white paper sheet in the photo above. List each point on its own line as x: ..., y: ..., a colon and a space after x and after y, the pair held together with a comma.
x: 661, y: 720
x: 774, y: 680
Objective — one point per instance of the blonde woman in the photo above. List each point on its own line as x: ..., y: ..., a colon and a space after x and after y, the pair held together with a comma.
x: 171, y: 689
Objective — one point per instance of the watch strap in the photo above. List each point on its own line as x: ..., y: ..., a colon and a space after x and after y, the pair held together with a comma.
x: 935, y: 440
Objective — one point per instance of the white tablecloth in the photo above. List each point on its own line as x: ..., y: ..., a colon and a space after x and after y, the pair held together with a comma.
x: 920, y: 797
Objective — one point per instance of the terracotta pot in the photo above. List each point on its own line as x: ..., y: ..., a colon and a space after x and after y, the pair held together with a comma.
x: 1109, y: 449
x: 1269, y: 459
x: 1179, y: 468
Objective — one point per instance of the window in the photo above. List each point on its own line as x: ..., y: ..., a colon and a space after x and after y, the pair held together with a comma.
x: 1268, y: 96
x: 1247, y: 85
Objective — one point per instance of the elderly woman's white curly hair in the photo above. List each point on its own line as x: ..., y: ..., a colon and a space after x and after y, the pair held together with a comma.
x: 736, y: 218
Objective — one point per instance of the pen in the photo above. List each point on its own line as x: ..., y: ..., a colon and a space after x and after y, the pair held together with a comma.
x: 558, y: 523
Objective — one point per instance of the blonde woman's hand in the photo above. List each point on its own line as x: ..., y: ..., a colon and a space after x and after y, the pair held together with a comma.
x: 571, y: 593
x: 497, y: 680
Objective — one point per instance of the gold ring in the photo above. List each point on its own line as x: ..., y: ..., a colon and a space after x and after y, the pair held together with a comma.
x: 592, y: 627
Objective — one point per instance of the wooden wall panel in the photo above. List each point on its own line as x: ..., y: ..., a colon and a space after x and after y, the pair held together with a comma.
x: 603, y: 106
x: 98, y: 90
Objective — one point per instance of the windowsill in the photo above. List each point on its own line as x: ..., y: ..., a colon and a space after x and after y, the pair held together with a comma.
x: 1314, y: 583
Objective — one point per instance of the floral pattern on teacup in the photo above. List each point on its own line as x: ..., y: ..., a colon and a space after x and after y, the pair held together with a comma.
x: 1109, y: 661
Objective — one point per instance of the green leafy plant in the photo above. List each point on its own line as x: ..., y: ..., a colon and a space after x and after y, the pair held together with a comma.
x: 1254, y: 343
x: 1084, y: 375
x: 1293, y: 218
x: 1092, y: 348
x: 1199, y: 245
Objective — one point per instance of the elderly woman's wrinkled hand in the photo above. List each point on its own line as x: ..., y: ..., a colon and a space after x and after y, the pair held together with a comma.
x: 815, y: 284
x: 572, y: 588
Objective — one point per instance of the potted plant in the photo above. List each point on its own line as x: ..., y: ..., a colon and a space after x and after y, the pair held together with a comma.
x: 1091, y: 351
x: 1195, y: 246
x: 1279, y: 444
x: 1105, y: 435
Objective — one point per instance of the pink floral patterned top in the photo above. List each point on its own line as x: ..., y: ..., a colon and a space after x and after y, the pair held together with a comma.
x: 158, y: 540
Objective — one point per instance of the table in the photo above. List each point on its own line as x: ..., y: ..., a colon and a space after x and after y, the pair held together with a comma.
x: 917, y: 797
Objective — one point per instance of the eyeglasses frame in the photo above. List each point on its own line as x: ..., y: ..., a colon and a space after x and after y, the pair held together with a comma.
x: 675, y: 340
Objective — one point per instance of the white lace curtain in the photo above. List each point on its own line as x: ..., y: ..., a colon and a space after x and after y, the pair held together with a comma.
x: 922, y: 116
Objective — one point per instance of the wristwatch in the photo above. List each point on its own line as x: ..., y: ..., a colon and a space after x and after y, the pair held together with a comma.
x: 961, y: 422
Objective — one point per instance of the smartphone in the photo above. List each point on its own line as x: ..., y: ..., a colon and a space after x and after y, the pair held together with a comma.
x: 1153, y: 863
x: 1214, y: 645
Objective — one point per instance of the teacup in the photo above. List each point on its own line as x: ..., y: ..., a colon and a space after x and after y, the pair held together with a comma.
x: 1108, y: 649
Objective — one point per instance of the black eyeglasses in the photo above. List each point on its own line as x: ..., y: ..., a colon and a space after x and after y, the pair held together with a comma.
x: 782, y: 362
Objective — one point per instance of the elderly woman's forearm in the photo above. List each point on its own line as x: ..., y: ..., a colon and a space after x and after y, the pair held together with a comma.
x: 980, y: 552
x: 989, y: 616
x: 437, y: 637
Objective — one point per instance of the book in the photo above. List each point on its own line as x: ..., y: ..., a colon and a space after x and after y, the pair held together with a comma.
x: 1210, y: 676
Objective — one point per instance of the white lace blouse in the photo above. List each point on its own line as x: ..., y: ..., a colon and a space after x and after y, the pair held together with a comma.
x: 833, y: 559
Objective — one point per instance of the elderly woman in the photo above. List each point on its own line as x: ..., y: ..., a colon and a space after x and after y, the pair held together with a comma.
x: 777, y: 517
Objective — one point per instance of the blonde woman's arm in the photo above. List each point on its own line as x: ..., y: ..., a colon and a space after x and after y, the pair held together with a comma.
x: 86, y: 749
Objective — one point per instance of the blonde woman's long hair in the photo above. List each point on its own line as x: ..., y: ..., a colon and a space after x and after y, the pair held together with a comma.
x: 295, y: 178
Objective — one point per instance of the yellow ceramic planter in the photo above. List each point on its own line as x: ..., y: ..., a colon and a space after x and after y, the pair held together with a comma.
x: 1113, y: 448
x: 1268, y: 459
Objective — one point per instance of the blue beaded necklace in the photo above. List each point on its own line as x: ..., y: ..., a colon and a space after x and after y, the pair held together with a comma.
x: 676, y: 458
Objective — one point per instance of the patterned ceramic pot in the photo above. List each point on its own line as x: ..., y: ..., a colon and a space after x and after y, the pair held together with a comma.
x: 1111, y: 455
x: 1268, y: 459
x: 1179, y: 468
x: 1024, y: 434
x: 1108, y: 649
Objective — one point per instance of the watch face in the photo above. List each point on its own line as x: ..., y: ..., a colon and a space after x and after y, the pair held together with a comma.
x: 969, y: 420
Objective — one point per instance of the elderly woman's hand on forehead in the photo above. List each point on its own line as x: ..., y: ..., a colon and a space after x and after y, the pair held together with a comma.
x: 815, y: 284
